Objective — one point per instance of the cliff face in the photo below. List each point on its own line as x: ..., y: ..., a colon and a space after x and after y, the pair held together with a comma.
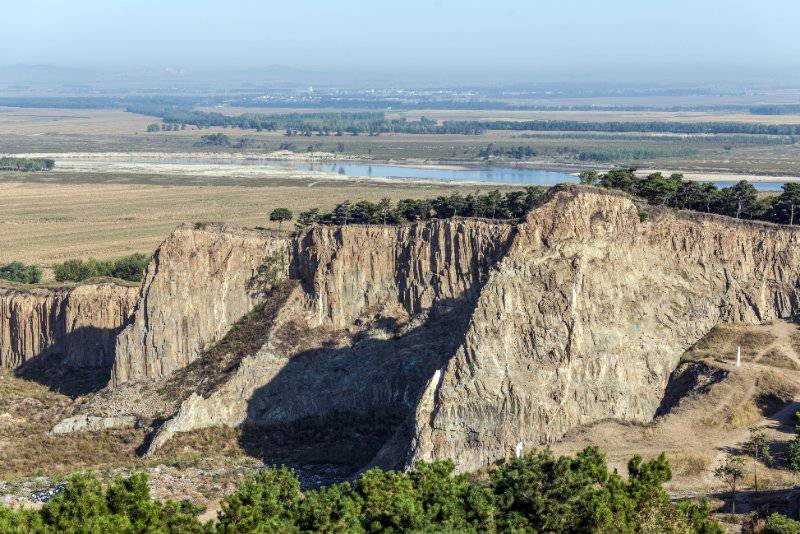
x: 586, y: 316
x: 77, y: 323
x: 354, y: 271
x: 200, y: 282
x: 477, y: 337
x: 378, y: 309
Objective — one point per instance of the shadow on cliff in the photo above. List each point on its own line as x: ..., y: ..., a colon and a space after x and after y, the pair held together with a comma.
x: 86, y: 370
x: 340, y: 405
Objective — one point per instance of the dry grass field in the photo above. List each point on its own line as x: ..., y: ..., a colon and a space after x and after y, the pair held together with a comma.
x: 526, y: 115
x: 36, y: 121
x: 105, y: 216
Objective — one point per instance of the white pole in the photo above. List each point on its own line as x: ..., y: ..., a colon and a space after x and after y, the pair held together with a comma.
x: 738, y: 356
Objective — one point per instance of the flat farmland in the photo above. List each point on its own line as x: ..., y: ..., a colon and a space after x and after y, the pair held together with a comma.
x: 597, y: 116
x: 104, y: 216
x: 530, y: 115
x: 47, y: 122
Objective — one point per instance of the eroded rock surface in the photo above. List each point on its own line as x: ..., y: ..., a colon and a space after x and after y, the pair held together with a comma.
x: 79, y: 323
x: 586, y: 316
x: 477, y: 337
x: 202, y: 280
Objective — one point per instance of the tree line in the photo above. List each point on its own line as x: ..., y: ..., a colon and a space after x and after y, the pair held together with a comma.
x: 740, y: 200
x: 534, y: 493
x: 776, y: 109
x: 308, y: 124
x: 618, y: 126
x: 27, y: 164
x: 174, y: 127
x: 666, y: 138
x: 130, y: 268
x: 491, y: 205
x: 514, y: 152
x: 376, y: 123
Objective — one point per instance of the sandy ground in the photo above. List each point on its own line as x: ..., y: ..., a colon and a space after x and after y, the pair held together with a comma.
x: 705, y: 426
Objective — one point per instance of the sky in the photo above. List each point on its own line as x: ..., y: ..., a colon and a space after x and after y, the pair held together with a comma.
x: 506, y: 40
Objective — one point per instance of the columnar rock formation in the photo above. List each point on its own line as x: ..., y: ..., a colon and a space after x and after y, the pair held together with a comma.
x: 201, y: 280
x: 350, y: 271
x: 478, y: 337
x: 77, y: 323
x: 586, y: 316
x: 398, y: 295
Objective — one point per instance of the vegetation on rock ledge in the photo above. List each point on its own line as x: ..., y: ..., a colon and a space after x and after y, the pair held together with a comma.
x: 130, y: 268
x: 492, y: 205
x: 740, y: 201
x: 21, y: 273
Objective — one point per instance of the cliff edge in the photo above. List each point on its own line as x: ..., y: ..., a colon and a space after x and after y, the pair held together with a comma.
x: 472, y: 339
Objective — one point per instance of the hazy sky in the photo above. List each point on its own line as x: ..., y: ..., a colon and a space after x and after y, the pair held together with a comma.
x: 519, y: 39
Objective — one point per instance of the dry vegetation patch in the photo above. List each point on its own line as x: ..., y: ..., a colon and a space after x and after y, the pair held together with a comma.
x: 27, y: 413
x: 722, y: 340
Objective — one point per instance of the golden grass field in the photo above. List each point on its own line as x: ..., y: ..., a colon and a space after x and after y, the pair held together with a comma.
x: 44, y: 223
x: 35, y: 121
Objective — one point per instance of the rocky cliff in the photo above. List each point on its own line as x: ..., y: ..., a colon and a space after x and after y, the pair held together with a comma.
x: 475, y: 338
x: 355, y: 270
x: 79, y: 323
x: 586, y: 316
x: 376, y: 311
x: 201, y: 280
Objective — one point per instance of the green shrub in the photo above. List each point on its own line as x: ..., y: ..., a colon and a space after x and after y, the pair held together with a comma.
x: 780, y: 524
x: 535, y: 493
x: 126, y: 506
x: 21, y: 273
x: 280, y: 215
x: 74, y: 270
x: 26, y: 164
x: 793, y: 453
x: 130, y: 268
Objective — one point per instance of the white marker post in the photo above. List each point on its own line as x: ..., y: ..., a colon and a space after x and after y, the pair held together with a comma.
x: 518, y: 450
x: 738, y: 356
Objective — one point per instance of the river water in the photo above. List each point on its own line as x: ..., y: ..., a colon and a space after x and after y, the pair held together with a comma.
x: 487, y: 174
x: 517, y: 175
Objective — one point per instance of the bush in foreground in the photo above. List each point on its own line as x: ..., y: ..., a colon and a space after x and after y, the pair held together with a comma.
x: 780, y: 524
x: 21, y: 273
x: 125, y: 506
x: 129, y: 268
x: 535, y: 493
